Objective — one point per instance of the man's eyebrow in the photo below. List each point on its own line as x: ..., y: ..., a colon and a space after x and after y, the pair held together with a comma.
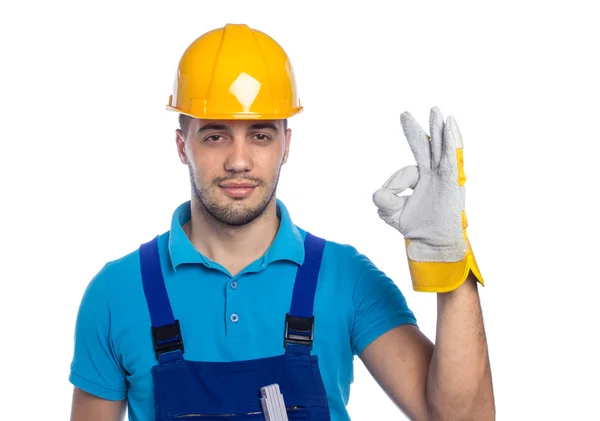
x: 212, y: 127
x: 263, y: 126
x: 223, y: 127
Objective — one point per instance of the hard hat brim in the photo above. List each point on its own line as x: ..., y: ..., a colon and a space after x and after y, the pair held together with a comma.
x: 239, y: 116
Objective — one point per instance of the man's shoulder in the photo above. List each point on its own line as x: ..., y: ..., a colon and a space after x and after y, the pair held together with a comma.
x: 332, y: 244
x: 121, y: 271
x: 339, y: 253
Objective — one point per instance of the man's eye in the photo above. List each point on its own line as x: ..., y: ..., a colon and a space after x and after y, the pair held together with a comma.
x: 262, y: 137
x: 213, y: 138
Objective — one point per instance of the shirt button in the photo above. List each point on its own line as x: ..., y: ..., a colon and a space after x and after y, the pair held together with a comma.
x: 234, y: 318
x: 234, y: 285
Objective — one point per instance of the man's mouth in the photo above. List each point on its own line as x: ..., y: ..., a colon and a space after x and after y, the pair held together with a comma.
x: 238, y: 189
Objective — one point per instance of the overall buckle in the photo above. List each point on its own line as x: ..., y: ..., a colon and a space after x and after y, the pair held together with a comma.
x: 167, y: 338
x: 299, y: 330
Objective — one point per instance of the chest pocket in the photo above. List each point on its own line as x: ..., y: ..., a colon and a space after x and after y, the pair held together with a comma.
x: 292, y: 412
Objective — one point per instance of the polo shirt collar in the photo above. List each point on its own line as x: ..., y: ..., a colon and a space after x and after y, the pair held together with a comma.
x: 287, y: 245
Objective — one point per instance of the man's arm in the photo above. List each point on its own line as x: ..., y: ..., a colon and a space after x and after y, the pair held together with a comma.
x: 87, y: 407
x: 451, y: 381
x: 100, y: 387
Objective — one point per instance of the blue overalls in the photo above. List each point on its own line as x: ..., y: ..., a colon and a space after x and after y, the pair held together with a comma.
x: 207, y: 391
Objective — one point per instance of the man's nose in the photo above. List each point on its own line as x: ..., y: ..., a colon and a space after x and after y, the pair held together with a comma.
x: 239, y: 158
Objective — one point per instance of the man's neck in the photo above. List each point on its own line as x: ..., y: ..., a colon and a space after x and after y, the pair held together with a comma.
x: 233, y: 247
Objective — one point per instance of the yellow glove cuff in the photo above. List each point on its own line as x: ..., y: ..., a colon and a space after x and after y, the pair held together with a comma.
x: 444, y: 276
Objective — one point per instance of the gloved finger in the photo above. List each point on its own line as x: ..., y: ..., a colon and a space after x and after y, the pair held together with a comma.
x: 436, y: 128
x: 388, y: 203
x: 458, y: 140
x: 417, y: 139
x: 448, y: 161
x: 403, y: 179
x: 458, y: 143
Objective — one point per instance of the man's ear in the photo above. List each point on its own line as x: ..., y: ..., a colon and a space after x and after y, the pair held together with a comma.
x: 288, y: 140
x: 180, y: 140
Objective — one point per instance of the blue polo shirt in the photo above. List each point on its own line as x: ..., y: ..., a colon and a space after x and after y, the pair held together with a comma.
x: 228, y: 318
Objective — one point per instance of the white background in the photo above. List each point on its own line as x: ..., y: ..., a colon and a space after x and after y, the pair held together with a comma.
x: 89, y: 167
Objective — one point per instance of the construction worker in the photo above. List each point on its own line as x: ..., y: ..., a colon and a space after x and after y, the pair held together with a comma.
x: 235, y: 296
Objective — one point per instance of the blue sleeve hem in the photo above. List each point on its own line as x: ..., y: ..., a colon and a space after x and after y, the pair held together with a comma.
x: 95, y: 389
x: 370, y: 335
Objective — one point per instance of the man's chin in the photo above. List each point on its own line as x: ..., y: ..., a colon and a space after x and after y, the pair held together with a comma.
x: 235, y: 212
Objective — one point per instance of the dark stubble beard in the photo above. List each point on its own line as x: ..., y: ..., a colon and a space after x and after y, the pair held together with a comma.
x: 235, y: 214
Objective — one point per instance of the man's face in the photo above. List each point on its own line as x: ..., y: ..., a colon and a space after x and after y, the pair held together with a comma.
x: 234, y: 165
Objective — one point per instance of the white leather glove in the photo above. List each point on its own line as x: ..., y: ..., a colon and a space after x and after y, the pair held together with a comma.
x: 432, y: 219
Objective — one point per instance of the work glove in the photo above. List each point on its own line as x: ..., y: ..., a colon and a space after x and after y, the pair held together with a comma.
x: 432, y: 219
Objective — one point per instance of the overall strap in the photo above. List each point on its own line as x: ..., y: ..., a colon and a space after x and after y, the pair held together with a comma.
x: 166, y: 333
x: 299, y: 322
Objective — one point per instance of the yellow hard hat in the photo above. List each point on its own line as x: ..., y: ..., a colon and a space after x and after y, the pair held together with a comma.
x: 235, y: 72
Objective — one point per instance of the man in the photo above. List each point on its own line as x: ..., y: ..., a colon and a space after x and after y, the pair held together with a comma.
x: 235, y: 297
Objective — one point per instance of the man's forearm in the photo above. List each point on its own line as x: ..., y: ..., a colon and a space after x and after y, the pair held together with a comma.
x: 459, y: 385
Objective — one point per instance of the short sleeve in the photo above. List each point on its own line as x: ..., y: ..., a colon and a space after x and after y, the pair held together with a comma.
x: 95, y: 367
x: 379, y: 305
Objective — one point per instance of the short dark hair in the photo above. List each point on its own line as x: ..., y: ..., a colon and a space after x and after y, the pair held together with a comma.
x: 184, y: 123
